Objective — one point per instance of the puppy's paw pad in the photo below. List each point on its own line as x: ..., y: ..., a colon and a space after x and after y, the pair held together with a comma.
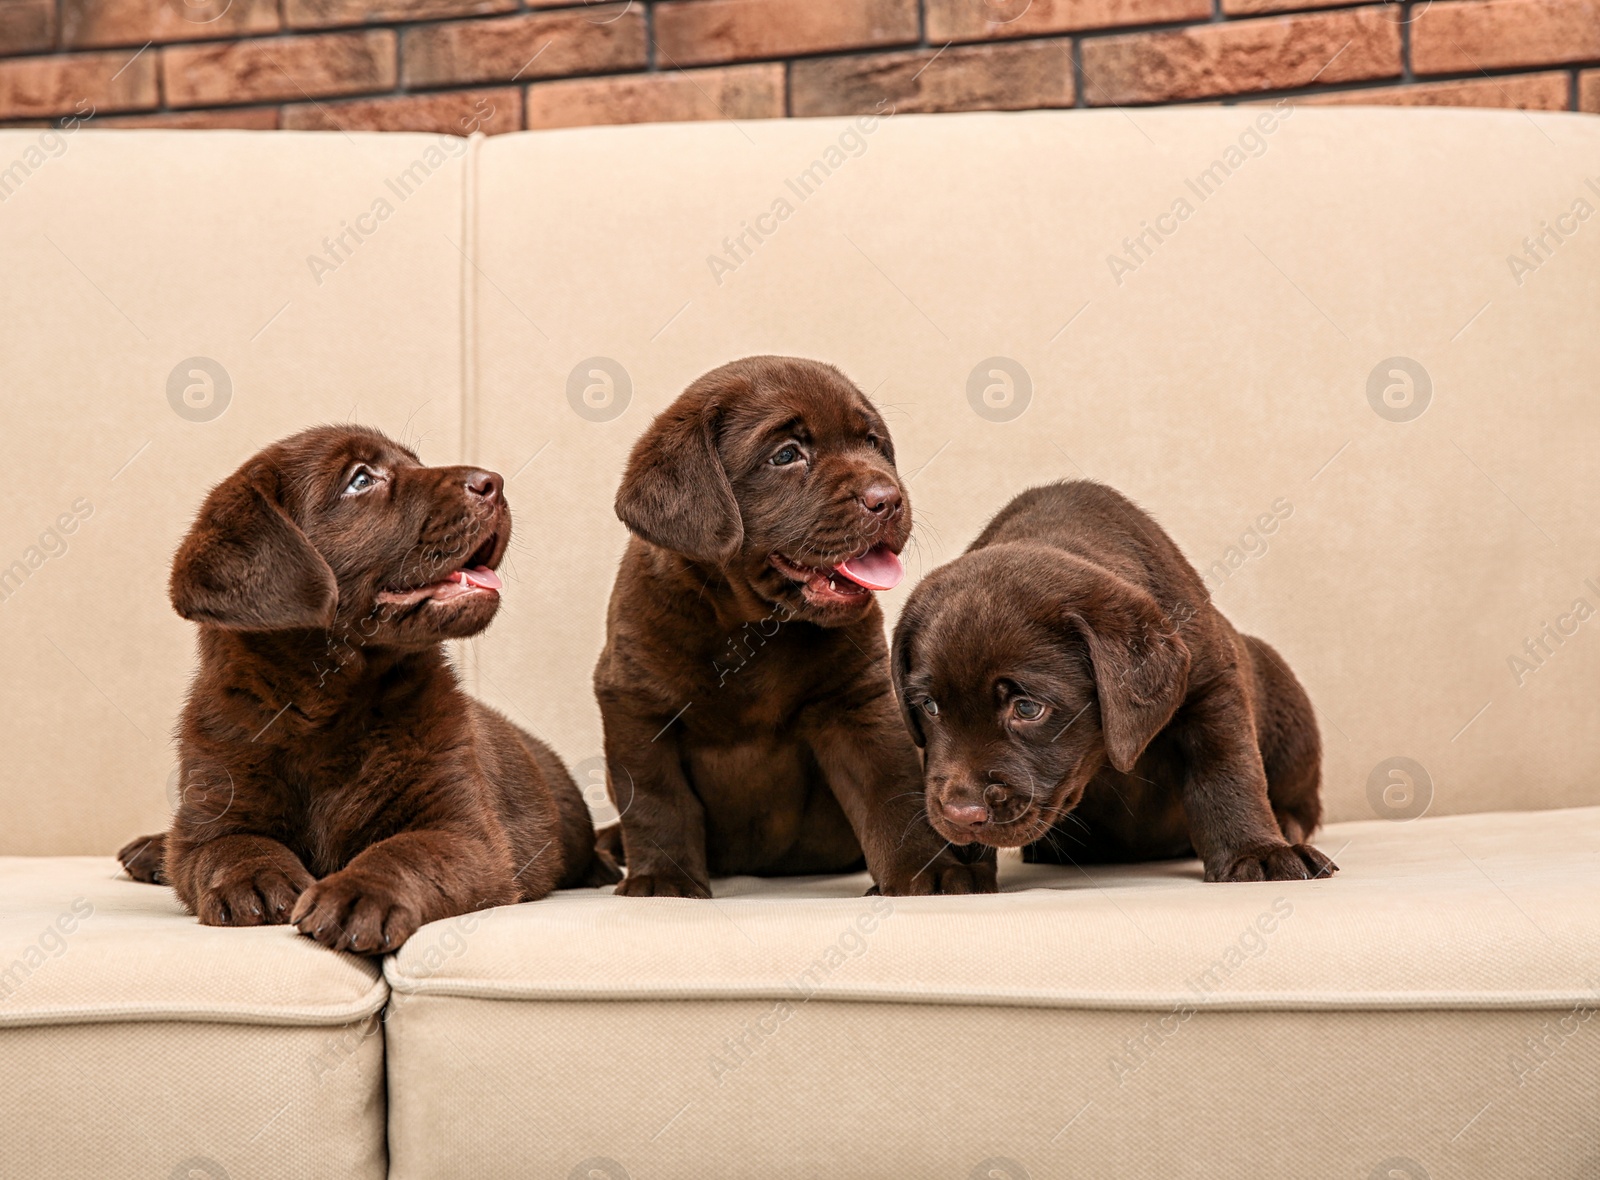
x: 1277, y: 862
x: 350, y: 912
x: 662, y: 885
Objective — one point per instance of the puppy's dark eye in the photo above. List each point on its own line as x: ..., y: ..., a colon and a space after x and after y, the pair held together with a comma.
x: 930, y: 706
x: 786, y: 456
x: 360, y: 482
x: 1027, y: 710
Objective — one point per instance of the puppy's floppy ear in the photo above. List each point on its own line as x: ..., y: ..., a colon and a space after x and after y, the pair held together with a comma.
x: 905, y: 634
x: 675, y: 492
x: 1141, y: 667
x: 246, y: 566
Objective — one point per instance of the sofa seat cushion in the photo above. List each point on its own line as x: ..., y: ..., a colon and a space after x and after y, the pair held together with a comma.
x: 162, y: 1042
x: 1444, y: 952
x: 1475, y: 910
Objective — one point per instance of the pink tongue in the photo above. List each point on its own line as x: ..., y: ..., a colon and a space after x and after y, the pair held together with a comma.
x: 483, y: 577
x: 877, y: 569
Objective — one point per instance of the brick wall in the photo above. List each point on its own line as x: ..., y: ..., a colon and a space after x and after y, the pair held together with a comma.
x: 458, y: 65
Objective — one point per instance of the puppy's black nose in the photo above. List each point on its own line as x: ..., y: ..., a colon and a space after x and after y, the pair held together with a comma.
x: 881, y: 499
x: 484, y: 483
x: 968, y: 815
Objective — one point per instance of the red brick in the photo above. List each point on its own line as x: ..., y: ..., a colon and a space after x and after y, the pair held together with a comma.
x: 971, y: 78
x: 693, y: 32
x: 1257, y: 7
x: 1238, y: 57
x: 27, y: 26
x: 89, y: 23
x: 674, y: 96
x: 1589, y: 91
x: 1458, y: 37
x: 118, y: 81
x: 312, y: 14
x: 978, y: 20
x: 1528, y: 92
x: 279, y: 68
x: 593, y: 40
x: 230, y: 118
x: 455, y: 112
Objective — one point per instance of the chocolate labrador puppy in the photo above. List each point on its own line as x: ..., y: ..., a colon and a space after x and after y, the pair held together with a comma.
x: 334, y: 774
x: 1078, y: 695
x: 750, y: 726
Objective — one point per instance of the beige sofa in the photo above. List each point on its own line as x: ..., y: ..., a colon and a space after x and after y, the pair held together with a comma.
x: 1348, y: 358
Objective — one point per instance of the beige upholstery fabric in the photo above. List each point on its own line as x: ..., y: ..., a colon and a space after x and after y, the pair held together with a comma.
x: 1486, y: 910
x: 194, y: 1101
x: 126, y: 255
x: 528, y: 303
x: 875, y: 1090
x: 84, y: 943
x: 1225, y: 380
x: 1399, y: 566
x: 135, y: 1039
x: 1182, y: 1029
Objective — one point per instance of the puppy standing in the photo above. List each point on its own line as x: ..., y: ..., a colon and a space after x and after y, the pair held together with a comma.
x: 335, y: 775
x: 749, y: 722
x: 1078, y: 695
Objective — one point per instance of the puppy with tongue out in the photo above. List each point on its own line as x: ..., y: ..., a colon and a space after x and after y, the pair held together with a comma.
x: 750, y: 724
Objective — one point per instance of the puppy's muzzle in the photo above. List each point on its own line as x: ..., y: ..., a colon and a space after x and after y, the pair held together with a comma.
x: 977, y: 810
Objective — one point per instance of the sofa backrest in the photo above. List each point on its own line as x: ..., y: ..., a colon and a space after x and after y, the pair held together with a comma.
x: 1347, y: 357
x: 162, y: 319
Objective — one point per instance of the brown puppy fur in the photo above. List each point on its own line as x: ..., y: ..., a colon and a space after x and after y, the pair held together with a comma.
x: 1078, y: 695
x: 749, y: 722
x: 334, y: 774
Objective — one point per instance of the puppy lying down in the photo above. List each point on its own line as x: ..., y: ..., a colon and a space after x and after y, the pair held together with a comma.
x: 1078, y: 695
x: 334, y: 775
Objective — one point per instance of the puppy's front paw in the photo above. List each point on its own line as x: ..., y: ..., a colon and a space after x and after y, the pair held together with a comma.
x: 351, y: 911
x: 662, y: 885
x: 252, y: 895
x: 1275, y: 862
x: 948, y: 877
x: 142, y: 859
